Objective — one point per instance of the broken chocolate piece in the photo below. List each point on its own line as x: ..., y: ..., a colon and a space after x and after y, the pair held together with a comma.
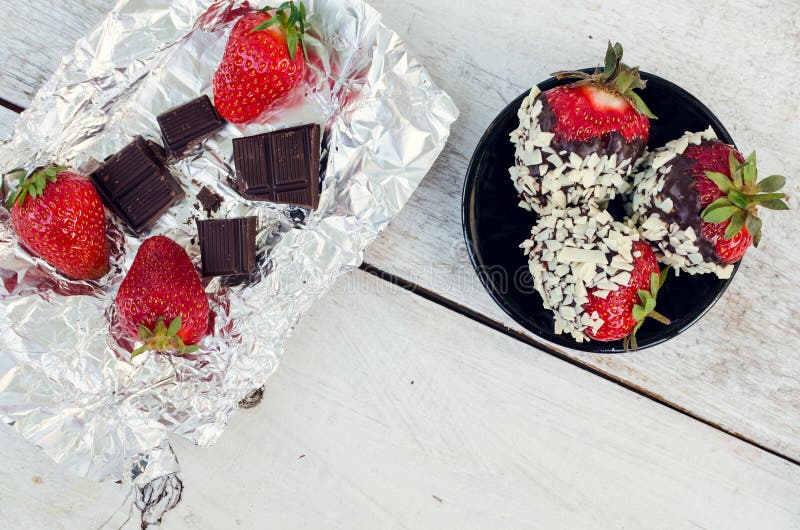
x: 227, y: 246
x: 136, y: 185
x: 188, y: 124
x: 209, y: 200
x: 281, y: 166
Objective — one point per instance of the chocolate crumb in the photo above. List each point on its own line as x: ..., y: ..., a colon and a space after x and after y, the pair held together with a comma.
x: 210, y: 200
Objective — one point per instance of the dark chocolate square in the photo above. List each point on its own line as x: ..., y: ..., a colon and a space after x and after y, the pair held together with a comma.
x: 281, y: 166
x: 136, y: 185
x: 227, y: 246
x: 188, y: 124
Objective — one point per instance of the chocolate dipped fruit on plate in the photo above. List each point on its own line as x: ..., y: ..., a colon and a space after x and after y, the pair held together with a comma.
x: 597, y: 276
x: 580, y: 142
x: 696, y: 201
x: 613, y: 208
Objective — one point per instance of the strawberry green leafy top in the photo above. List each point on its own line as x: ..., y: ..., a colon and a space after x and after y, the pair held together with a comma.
x: 744, y: 194
x: 647, y: 307
x: 616, y: 77
x: 163, y: 338
x: 32, y: 185
x: 291, y: 18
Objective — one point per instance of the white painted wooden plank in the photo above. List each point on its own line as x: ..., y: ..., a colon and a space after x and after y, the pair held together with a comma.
x: 506, y: 437
x: 7, y: 118
x: 740, y: 367
x: 392, y: 412
x: 34, y: 34
x: 35, y: 493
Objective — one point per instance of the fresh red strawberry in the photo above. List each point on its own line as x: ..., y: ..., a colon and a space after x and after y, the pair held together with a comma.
x: 730, y: 195
x: 264, y: 60
x: 602, y: 108
x: 162, y: 287
x: 624, y: 310
x: 59, y: 216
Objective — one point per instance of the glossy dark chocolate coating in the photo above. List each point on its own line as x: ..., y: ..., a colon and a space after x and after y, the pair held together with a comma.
x: 609, y: 144
x: 679, y: 186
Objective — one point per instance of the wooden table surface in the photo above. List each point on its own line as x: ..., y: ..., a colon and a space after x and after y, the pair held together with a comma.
x: 429, y: 408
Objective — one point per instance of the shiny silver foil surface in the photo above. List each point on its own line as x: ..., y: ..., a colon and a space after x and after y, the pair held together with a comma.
x: 67, y: 382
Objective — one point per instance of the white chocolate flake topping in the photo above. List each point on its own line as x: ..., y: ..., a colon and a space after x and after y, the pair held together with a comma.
x: 597, y: 178
x: 568, y: 255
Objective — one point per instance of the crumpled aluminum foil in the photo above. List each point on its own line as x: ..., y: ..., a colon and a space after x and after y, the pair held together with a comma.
x: 67, y: 383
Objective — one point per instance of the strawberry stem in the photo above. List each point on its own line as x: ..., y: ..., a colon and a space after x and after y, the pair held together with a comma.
x: 293, y: 24
x: 33, y: 185
x: 647, y: 308
x: 743, y: 195
x: 163, y: 338
x: 616, y: 77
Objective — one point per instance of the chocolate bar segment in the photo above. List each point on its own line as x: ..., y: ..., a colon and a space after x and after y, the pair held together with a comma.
x: 136, y: 185
x: 252, y: 167
x: 281, y: 166
x: 188, y: 124
x: 227, y: 246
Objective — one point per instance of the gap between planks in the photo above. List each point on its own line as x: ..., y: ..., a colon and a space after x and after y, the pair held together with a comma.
x: 551, y: 350
x: 540, y: 345
x: 11, y: 106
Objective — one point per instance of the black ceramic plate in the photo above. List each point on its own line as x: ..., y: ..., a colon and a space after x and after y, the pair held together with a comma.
x: 494, y: 225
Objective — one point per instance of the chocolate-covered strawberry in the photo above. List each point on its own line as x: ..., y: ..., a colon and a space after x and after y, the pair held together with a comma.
x: 58, y: 215
x: 580, y: 141
x: 594, y: 273
x: 696, y: 200
x: 624, y: 309
x: 161, y: 301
